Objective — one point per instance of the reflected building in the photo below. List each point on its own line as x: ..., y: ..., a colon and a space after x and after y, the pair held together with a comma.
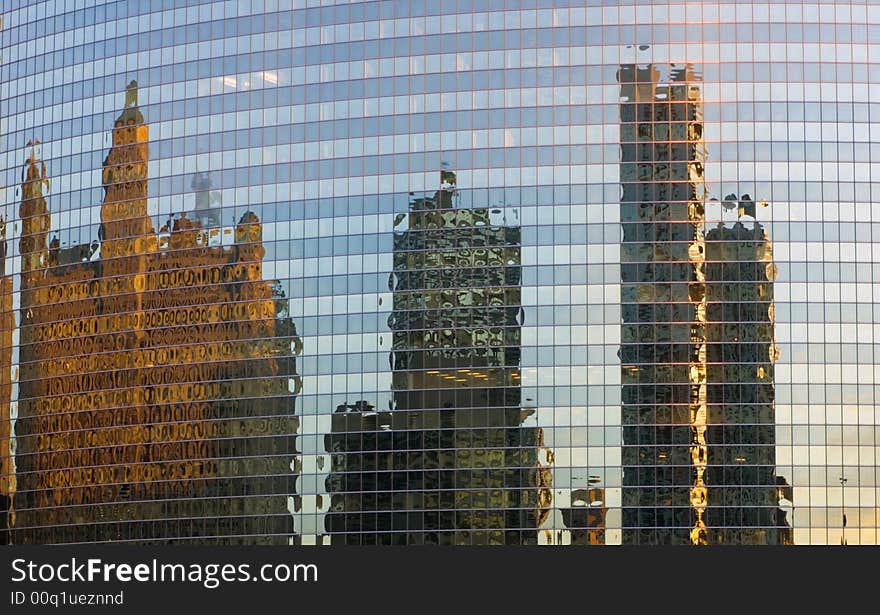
x: 158, y: 373
x: 785, y: 500
x: 367, y: 484
x: 206, y: 213
x: 663, y: 305
x: 740, y: 352
x: 585, y: 518
x: 473, y: 474
x: 7, y: 327
x: 308, y: 115
x: 697, y: 340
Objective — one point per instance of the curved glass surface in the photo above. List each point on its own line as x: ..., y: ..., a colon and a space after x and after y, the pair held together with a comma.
x: 412, y: 272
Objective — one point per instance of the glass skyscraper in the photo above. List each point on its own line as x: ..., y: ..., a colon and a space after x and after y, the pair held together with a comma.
x: 410, y: 272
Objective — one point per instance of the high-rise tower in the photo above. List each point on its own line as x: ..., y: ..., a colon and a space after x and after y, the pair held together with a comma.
x: 368, y: 482
x: 156, y: 398
x: 663, y: 305
x: 473, y: 471
x: 740, y: 352
x: 698, y: 341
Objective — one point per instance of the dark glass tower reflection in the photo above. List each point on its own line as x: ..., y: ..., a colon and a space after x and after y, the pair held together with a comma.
x: 585, y: 518
x: 662, y: 303
x: 698, y: 344
x: 272, y: 145
x: 785, y: 501
x: 368, y: 481
x: 740, y: 351
x: 473, y: 467
x: 452, y: 463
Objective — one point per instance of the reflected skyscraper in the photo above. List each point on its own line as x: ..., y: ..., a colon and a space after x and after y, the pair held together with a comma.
x: 322, y: 120
x: 698, y: 340
x: 740, y: 351
x: 585, y: 518
x: 7, y: 327
x: 785, y: 501
x: 663, y: 334
x: 473, y: 472
x: 157, y: 373
x: 207, y: 211
x: 368, y: 479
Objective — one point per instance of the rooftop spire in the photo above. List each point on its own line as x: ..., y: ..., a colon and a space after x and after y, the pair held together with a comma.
x: 131, y: 94
x: 33, y: 176
x: 131, y: 114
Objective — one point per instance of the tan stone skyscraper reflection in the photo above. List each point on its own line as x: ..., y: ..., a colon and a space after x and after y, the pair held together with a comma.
x: 7, y: 327
x: 157, y: 373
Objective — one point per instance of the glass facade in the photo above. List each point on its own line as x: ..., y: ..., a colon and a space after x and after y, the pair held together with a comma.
x: 410, y: 272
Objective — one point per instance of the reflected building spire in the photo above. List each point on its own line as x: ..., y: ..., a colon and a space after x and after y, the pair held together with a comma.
x: 126, y: 228
x: 126, y: 233
x: 206, y: 212
x: 34, y: 215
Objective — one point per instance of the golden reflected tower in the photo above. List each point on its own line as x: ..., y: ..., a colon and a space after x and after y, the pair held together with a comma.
x: 157, y: 376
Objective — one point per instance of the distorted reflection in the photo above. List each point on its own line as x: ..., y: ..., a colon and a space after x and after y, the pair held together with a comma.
x: 740, y: 351
x: 698, y: 342
x: 158, y: 372
x: 785, y: 500
x: 585, y: 518
x: 7, y: 328
x: 663, y: 305
x: 591, y: 290
x: 467, y: 471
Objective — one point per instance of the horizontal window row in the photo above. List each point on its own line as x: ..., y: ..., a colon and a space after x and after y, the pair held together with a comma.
x: 64, y: 14
x: 300, y: 258
x: 347, y: 162
x: 277, y: 180
x: 278, y: 91
x: 84, y: 432
x: 243, y: 32
x: 550, y: 12
x: 799, y: 200
x: 477, y: 12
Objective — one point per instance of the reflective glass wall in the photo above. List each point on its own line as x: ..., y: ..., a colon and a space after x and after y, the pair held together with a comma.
x: 411, y: 272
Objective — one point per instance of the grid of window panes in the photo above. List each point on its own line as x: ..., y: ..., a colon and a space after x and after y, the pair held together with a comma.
x: 473, y: 272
